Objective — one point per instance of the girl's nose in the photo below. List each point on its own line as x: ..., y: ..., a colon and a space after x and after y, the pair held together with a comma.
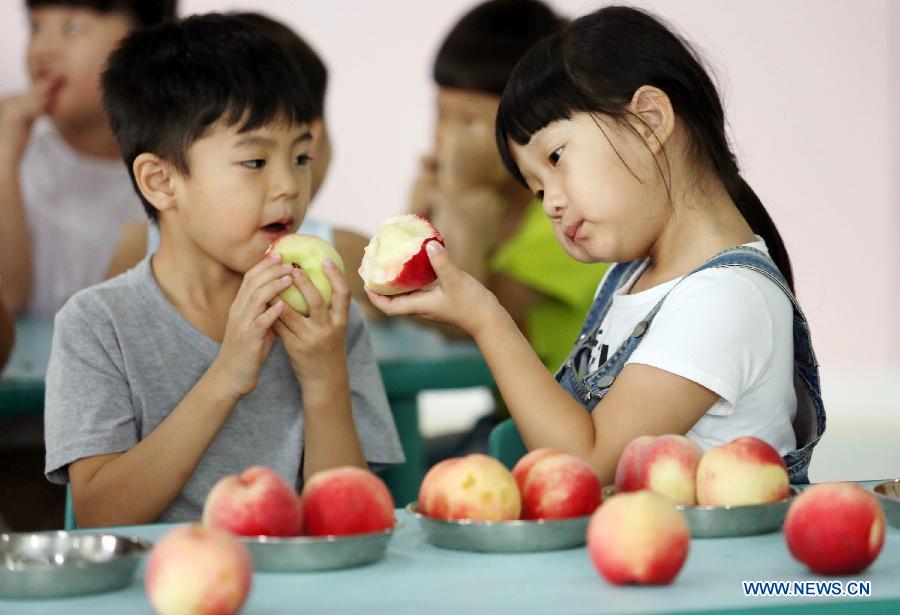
x: 554, y: 202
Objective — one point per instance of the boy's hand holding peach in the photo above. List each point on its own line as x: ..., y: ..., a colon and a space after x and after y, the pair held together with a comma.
x: 313, y: 342
x: 248, y: 332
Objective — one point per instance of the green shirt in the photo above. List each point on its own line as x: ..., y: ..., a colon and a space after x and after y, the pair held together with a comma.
x: 534, y: 258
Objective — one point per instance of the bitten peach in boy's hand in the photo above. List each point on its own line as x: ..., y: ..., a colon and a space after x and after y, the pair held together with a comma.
x: 309, y: 253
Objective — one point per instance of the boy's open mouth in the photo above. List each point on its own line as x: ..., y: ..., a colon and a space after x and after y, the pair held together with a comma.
x: 276, y: 228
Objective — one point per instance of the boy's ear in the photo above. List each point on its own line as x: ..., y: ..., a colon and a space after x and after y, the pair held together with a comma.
x: 154, y: 179
x: 655, y: 118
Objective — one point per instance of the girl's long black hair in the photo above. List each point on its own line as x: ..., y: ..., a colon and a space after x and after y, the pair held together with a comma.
x: 595, y: 64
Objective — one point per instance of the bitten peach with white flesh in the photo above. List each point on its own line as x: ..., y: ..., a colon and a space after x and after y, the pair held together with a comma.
x: 198, y: 570
x: 395, y: 260
x: 835, y: 528
x: 307, y: 252
x: 476, y: 487
x: 259, y: 502
x: 743, y: 472
x: 638, y: 538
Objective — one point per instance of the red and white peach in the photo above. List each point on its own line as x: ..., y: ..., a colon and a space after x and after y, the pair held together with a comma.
x: 835, y: 528
x: 395, y: 261
x: 259, y: 502
x: 745, y: 471
x: 638, y: 537
x: 627, y: 474
x: 194, y: 569
x: 476, y: 487
x: 344, y: 501
x: 668, y: 466
x: 556, y: 485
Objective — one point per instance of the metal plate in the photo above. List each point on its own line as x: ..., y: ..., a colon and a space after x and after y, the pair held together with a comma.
x: 311, y: 553
x: 55, y: 564
x: 502, y: 536
x: 730, y: 521
x: 889, y: 495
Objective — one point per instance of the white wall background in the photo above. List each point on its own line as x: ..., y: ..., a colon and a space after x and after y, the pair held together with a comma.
x: 811, y: 89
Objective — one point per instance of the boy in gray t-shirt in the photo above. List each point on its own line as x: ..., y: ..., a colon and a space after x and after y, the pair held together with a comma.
x: 189, y: 367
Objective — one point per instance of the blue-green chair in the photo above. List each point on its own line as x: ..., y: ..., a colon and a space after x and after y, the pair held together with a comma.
x: 506, y: 444
x: 69, y: 520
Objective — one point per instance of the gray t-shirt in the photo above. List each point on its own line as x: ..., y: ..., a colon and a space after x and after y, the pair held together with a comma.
x: 123, y: 358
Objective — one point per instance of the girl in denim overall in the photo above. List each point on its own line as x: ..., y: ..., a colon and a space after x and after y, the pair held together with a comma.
x: 614, y: 124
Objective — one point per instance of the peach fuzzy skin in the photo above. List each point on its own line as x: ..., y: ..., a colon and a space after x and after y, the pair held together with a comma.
x: 559, y: 487
x: 476, y: 487
x: 745, y: 471
x: 395, y: 261
x: 259, y: 502
x: 198, y: 570
x: 627, y: 475
x: 346, y: 501
x: 638, y: 538
x: 523, y: 466
x: 835, y: 528
x: 668, y: 466
x: 309, y: 253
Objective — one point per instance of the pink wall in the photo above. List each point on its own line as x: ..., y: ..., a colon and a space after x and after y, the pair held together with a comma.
x: 810, y: 88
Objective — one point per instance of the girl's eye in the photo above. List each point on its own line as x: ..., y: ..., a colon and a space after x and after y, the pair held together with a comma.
x: 303, y: 159
x: 540, y: 195
x: 554, y: 156
x: 72, y: 26
x: 256, y: 163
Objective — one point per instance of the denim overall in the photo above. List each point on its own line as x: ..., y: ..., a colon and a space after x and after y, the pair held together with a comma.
x: 589, y: 388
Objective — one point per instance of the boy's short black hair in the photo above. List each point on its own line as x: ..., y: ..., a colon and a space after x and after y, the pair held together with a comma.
x: 298, y: 51
x: 164, y: 87
x: 484, y: 46
x: 144, y: 13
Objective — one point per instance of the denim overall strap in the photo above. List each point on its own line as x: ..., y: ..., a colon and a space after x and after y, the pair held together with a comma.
x: 589, y: 389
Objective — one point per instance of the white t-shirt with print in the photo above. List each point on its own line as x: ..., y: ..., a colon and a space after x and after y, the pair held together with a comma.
x: 76, y: 208
x: 727, y: 329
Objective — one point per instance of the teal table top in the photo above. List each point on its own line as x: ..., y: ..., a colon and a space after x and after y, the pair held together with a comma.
x: 416, y: 577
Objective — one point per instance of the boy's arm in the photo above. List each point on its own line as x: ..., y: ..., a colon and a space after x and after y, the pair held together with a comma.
x: 315, y: 345
x: 136, y: 486
x: 130, y: 250
x: 17, y: 116
x: 85, y: 376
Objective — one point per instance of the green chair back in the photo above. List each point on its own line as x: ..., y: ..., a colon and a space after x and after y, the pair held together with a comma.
x: 506, y: 444
x: 69, y: 520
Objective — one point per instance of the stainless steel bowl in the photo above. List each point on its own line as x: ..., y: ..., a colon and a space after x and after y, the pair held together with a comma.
x: 502, y: 536
x: 889, y: 494
x: 53, y: 564
x: 729, y: 521
x: 310, y: 553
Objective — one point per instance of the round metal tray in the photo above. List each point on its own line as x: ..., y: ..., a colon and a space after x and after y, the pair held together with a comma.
x: 314, y: 553
x: 55, y: 564
x: 502, y: 536
x: 889, y: 495
x: 731, y: 521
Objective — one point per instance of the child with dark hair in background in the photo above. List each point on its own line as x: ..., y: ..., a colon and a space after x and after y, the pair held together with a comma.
x: 188, y: 367
x: 615, y: 126
x: 494, y: 228
x: 63, y: 189
x: 137, y: 240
